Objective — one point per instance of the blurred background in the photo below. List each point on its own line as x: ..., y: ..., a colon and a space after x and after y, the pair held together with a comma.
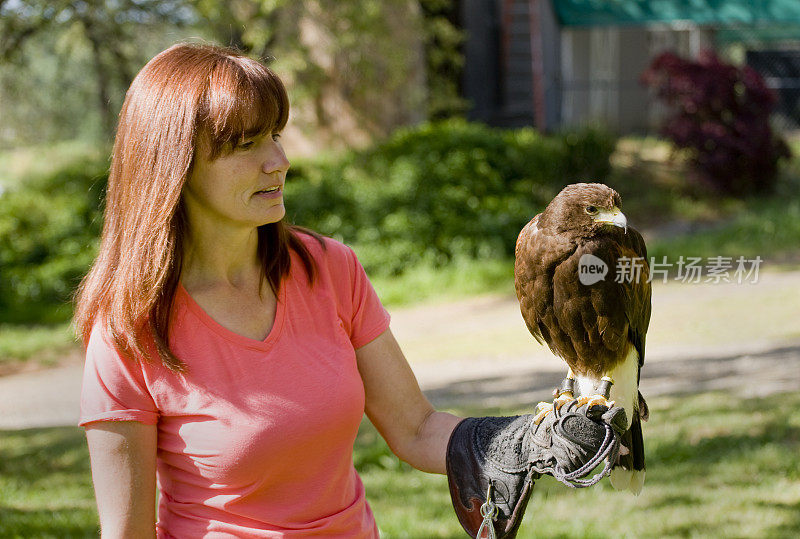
x: 425, y: 134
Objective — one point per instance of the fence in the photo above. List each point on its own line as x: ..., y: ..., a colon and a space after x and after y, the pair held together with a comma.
x: 600, y: 69
x: 774, y: 52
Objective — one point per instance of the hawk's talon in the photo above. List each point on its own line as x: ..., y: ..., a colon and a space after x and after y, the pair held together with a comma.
x: 563, y: 399
x: 542, y: 409
x: 594, y: 400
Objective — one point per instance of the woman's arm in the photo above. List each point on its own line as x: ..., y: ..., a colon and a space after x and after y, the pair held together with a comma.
x: 123, y: 457
x: 396, y: 406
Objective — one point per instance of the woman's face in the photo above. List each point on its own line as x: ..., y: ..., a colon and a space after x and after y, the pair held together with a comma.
x: 242, y: 188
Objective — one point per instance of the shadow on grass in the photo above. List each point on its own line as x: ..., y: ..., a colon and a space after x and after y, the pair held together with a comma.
x: 33, y: 454
x: 771, y: 371
x: 501, y: 391
x: 45, y: 484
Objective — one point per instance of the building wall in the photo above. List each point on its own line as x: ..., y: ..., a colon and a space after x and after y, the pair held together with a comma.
x: 522, y: 68
x: 633, y: 99
x: 600, y: 69
x: 551, y: 43
x: 481, y: 83
x: 512, y: 62
x: 517, y: 58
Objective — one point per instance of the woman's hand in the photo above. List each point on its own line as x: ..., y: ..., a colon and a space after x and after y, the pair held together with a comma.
x: 123, y: 457
x: 415, y: 432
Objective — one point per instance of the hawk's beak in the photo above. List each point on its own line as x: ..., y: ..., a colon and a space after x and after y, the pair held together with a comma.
x: 612, y: 217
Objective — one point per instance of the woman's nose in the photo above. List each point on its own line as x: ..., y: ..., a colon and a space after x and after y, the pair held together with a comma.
x: 275, y: 159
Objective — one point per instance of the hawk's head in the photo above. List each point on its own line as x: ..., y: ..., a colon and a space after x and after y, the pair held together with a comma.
x: 584, y: 209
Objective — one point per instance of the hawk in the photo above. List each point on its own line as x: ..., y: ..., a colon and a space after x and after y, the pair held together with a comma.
x: 581, y: 277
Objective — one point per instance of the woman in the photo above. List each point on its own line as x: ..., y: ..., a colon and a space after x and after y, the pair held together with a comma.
x: 229, y: 355
x: 225, y: 348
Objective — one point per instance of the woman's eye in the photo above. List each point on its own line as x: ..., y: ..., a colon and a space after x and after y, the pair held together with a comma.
x: 244, y: 145
x: 276, y: 136
x: 591, y: 210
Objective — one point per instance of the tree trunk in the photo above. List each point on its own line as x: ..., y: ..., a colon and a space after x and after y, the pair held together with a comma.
x: 102, y: 79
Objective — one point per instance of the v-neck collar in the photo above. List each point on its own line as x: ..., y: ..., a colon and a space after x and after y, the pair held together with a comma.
x: 184, y: 297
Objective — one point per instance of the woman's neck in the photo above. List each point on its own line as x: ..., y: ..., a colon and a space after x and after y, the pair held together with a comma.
x: 219, y: 256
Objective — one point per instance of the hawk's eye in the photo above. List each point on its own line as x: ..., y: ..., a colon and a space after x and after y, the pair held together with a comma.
x: 591, y: 210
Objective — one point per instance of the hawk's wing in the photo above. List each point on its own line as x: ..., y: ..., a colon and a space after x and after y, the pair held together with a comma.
x: 537, y: 255
x: 637, y: 304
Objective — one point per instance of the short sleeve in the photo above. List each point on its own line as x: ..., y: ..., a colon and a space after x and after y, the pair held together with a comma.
x: 114, y: 388
x: 368, y: 317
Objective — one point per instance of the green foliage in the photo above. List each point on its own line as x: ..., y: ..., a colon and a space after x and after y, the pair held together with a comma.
x: 442, y: 191
x: 48, y: 230
x: 65, y: 65
x: 444, y: 60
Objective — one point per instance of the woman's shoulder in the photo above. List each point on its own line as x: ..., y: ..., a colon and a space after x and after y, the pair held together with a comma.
x: 322, y: 247
x: 105, y: 356
x: 335, y: 263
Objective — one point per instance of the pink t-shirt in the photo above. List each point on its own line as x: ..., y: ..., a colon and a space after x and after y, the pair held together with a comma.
x: 256, y: 439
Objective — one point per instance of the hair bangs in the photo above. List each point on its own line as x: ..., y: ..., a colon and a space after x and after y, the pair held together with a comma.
x: 243, y: 99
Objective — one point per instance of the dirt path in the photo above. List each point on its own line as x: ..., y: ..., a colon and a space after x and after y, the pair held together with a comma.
x: 743, y: 338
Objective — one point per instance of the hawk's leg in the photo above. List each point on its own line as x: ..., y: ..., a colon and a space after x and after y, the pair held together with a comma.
x: 602, y: 395
x: 563, y: 395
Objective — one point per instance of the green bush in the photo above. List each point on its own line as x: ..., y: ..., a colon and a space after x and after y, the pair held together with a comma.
x: 48, y: 231
x: 442, y: 191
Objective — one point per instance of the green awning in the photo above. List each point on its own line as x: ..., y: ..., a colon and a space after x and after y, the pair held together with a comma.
x: 701, y: 12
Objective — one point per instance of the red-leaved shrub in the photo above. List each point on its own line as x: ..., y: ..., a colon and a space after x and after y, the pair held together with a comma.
x: 719, y: 113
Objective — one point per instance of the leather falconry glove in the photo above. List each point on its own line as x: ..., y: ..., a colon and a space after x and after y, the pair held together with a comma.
x: 499, y: 458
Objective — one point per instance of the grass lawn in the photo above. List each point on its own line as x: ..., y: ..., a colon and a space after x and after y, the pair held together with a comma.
x: 48, y: 343
x: 716, y: 468
x: 45, y: 484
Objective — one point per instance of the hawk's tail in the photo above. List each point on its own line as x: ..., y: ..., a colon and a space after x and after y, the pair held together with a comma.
x: 628, y: 472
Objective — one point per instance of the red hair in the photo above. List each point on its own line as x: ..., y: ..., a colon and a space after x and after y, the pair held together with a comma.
x: 184, y: 93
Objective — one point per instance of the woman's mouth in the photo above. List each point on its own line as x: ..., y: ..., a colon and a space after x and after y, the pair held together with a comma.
x: 270, y: 192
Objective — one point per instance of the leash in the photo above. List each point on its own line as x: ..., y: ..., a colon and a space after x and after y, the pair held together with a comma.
x: 489, y: 513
